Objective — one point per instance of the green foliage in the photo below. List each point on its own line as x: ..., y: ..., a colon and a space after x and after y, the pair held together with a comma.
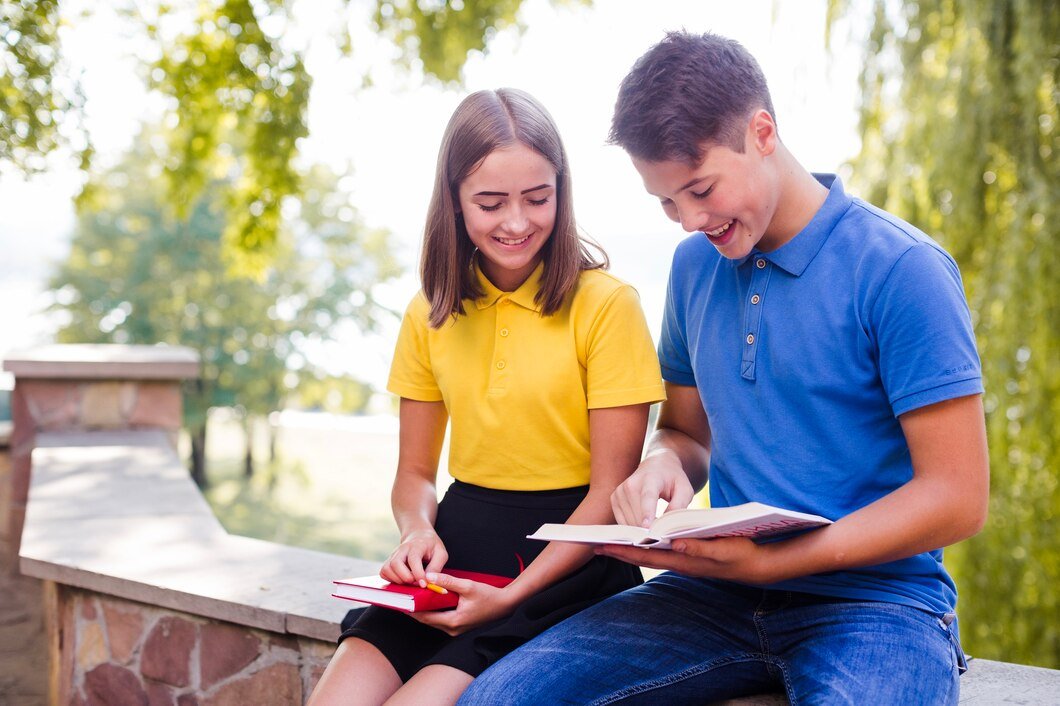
x: 442, y: 33
x: 959, y: 126
x: 237, y: 96
x: 229, y: 82
x: 136, y: 274
x: 31, y: 105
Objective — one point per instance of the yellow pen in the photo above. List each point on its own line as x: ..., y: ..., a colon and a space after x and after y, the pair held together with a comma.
x: 436, y: 589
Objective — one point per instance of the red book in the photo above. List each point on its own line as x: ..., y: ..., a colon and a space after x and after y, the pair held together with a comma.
x: 410, y: 599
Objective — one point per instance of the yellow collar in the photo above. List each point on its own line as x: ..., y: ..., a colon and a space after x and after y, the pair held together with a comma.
x: 523, y: 296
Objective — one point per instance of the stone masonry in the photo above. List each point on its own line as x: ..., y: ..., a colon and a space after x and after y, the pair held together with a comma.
x: 121, y: 653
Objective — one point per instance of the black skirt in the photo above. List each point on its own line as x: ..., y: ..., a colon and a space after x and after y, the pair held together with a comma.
x: 485, y: 530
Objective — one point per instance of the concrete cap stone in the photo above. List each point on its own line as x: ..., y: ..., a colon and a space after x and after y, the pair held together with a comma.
x: 104, y: 361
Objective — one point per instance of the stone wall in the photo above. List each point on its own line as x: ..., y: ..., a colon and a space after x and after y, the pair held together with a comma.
x: 118, y: 652
x: 83, y: 387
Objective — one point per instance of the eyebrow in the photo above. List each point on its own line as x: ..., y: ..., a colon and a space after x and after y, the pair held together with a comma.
x: 694, y: 181
x: 524, y: 191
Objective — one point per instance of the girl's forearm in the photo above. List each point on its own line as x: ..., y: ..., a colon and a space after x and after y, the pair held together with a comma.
x: 415, y: 503
x: 560, y: 559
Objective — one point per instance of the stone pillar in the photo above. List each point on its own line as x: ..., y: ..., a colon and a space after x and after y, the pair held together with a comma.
x: 86, y: 387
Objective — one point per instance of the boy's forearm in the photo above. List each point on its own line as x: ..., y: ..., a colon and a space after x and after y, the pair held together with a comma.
x: 922, y: 515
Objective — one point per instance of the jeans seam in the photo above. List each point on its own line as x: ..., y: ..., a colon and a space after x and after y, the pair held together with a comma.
x: 635, y: 689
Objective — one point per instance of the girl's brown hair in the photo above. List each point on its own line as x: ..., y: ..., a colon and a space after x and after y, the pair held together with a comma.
x: 483, y: 122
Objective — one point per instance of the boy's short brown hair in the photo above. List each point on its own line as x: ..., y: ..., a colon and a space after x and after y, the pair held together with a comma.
x: 686, y: 91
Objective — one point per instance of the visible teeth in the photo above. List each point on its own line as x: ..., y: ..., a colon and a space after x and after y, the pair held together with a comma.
x: 506, y: 241
x: 719, y: 230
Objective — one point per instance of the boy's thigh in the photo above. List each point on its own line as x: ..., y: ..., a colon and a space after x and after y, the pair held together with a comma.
x: 671, y: 637
x: 866, y: 652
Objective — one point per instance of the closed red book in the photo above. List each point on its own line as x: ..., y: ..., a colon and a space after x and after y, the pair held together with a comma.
x: 410, y: 599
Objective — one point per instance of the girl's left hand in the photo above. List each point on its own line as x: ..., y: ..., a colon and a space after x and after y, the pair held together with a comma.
x: 479, y: 604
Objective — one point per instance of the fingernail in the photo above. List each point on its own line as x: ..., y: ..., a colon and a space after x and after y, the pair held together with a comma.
x: 432, y: 578
x: 423, y: 584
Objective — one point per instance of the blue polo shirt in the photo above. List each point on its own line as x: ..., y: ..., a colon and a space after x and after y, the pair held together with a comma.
x: 804, y: 358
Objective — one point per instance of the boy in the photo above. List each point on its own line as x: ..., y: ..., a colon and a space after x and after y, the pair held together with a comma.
x: 819, y: 356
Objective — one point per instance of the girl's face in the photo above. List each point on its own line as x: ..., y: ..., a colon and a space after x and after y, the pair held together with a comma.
x: 509, y: 209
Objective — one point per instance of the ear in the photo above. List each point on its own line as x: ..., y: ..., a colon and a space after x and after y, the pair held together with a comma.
x: 763, y: 133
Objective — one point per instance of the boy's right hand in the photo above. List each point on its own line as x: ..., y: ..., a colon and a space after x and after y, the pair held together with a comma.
x: 659, y: 477
x: 420, y: 552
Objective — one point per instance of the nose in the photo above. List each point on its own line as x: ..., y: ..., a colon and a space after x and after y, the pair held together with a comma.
x: 691, y: 219
x: 517, y: 221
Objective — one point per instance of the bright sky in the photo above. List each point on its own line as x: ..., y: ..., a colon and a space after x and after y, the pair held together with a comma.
x: 571, y: 58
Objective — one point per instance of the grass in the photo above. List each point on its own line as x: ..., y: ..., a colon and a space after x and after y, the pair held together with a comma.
x: 329, y: 488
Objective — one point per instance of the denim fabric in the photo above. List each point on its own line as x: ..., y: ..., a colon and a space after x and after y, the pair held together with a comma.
x: 681, y: 640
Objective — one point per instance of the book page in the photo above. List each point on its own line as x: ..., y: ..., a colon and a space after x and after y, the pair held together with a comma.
x: 590, y: 534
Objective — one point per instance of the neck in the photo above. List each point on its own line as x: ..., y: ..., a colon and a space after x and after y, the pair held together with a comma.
x: 799, y: 198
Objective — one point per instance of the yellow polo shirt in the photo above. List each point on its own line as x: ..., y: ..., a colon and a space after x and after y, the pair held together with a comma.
x: 518, y: 386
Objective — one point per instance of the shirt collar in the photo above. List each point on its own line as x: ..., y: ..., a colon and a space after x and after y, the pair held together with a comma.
x: 523, y: 296
x: 796, y: 255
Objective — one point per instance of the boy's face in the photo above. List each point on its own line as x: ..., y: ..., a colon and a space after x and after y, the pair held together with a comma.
x: 730, y: 196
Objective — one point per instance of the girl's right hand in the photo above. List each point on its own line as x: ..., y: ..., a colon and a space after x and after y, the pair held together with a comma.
x: 420, y: 552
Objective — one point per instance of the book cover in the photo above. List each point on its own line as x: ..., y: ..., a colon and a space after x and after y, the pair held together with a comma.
x: 408, y: 598
x: 754, y: 520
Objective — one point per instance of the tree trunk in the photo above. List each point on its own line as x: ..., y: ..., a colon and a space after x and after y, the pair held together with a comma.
x: 274, y: 432
x: 198, y: 456
x: 248, y: 459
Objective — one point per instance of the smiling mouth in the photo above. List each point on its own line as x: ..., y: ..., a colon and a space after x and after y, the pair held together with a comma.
x: 720, y: 230
x: 511, y: 241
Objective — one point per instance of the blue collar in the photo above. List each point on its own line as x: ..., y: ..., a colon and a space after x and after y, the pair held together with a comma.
x: 796, y: 255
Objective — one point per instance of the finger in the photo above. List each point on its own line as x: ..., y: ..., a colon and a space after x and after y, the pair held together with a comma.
x: 682, y: 495
x: 415, y: 566
x: 620, y: 505
x: 648, y: 503
x: 451, y: 583
x: 438, y: 560
x: 626, y: 501
x: 650, y: 558
x: 397, y: 570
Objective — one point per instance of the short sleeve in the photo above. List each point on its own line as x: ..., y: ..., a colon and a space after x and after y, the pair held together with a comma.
x: 411, y: 375
x: 927, y: 351
x: 673, y: 346
x: 622, y: 367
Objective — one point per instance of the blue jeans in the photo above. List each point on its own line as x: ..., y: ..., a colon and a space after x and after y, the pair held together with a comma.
x: 679, y: 640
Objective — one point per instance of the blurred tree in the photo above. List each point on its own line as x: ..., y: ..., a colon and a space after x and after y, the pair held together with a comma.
x: 959, y: 136
x: 31, y: 104
x: 136, y: 274
x: 226, y: 67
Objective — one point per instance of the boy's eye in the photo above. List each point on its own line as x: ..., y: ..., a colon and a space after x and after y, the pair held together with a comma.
x: 486, y: 208
x: 703, y: 194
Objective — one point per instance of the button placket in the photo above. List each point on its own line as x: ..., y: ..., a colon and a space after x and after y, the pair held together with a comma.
x: 501, y: 350
x: 753, y: 317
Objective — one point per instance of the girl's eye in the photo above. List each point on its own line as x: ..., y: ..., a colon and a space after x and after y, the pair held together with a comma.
x: 542, y: 202
x: 486, y: 208
x: 703, y: 194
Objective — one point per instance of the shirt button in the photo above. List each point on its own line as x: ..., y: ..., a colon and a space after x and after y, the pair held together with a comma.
x: 503, y: 300
x: 760, y: 263
x: 750, y: 339
x: 755, y: 299
x: 504, y: 332
x: 500, y: 365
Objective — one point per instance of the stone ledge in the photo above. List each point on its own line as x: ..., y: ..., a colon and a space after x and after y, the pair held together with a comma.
x: 104, y: 361
x: 116, y: 513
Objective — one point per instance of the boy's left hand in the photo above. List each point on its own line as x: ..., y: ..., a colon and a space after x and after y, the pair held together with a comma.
x: 730, y: 558
x: 479, y: 603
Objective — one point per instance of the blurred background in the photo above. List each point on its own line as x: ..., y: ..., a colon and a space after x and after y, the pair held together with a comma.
x: 249, y: 178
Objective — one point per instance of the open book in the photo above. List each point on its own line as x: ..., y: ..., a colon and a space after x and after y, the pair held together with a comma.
x: 753, y: 520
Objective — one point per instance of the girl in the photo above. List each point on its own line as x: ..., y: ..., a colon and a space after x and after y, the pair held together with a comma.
x: 537, y: 356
